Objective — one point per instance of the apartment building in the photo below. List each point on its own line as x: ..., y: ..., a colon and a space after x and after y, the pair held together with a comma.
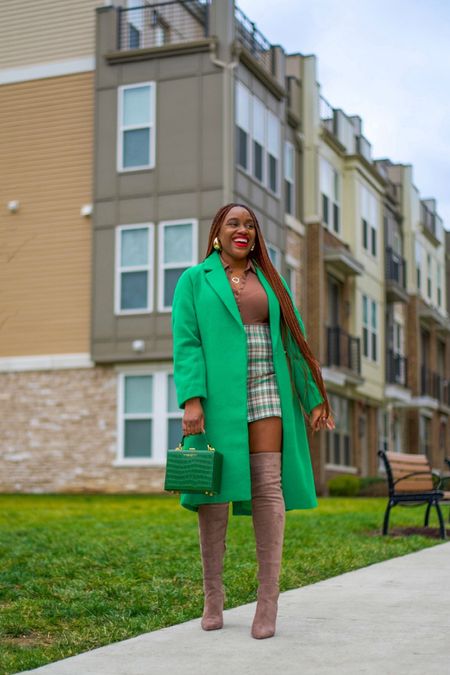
x: 180, y: 107
x: 123, y: 138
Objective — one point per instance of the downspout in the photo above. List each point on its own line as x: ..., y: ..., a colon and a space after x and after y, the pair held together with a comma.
x: 227, y: 124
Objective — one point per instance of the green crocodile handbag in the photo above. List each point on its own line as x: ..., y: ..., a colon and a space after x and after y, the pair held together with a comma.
x: 194, y: 470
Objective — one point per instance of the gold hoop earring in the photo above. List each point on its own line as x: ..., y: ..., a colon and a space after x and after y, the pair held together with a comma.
x: 217, y: 245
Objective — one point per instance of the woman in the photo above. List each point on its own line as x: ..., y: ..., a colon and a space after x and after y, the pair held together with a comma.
x: 242, y: 371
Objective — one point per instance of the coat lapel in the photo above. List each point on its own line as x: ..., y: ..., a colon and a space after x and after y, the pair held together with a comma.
x: 217, y: 277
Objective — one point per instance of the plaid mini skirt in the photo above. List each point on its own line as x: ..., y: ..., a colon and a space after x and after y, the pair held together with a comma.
x: 263, y: 396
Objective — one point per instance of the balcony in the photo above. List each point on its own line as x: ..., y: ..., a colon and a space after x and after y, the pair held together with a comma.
x: 394, y: 192
x: 338, y: 257
x: 163, y: 23
x: 344, y: 352
x: 434, y: 385
x: 395, y: 274
x: 396, y: 368
x: 254, y: 42
x: 364, y: 148
x: 432, y: 225
x: 443, y: 390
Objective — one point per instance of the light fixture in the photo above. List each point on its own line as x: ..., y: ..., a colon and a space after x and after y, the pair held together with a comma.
x: 86, y: 210
x: 13, y: 206
x: 138, y: 345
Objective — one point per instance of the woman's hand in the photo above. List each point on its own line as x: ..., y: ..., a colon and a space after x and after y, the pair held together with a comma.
x: 317, y: 419
x: 193, y: 421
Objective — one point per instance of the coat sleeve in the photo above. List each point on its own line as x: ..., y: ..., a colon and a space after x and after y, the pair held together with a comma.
x: 306, y: 388
x: 189, y: 368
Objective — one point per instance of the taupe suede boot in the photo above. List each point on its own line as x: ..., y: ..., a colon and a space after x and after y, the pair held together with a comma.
x: 268, y: 515
x: 212, y: 528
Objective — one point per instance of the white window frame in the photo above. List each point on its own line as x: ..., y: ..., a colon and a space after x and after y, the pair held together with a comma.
x: 372, y: 331
x: 330, y: 186
x: 277, y: 252
x: 270, y: 115
x: 160, y: 414
x: 438, y: 284
x: 262, y: 142
x: 289, y: 159
x: 429, y: 276
x: 418, y: 255
x: 293, y: 266
x: 242, y: 90
x: 119, y: 269
x: 369, y: 212
x: 121, y: 128
x: 162, y: 266
x: 342, y: 428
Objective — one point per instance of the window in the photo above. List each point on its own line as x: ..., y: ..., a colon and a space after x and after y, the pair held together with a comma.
x: 438, y: 284
x: 425, y: 436
x: 338, y: 450
x: 289, y: 177
x: 259, y: 132
x: 369, y: 220
x: 136, y: 126
x: 330, y: 192
x: 369, y: 329
x: 273, y: 151
x: 418, y: 265
x: 429, y: 291
x: 275, y: 256
x: 177, y: 251
x: 134, y: 261
x: 291, y: 275
x: 135, y: 19
x: 161, y: 30
x: 149, y: 419
x: 242, y: 125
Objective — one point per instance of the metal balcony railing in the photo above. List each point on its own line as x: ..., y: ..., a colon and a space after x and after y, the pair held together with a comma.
x: 396, y: 368
x: 432, y: 384
x: 327, y: 116
x: 428, y: 218
x: 254, y: 41
x: 343, y: 350
x: 395, y: 267
x: 160, y: 23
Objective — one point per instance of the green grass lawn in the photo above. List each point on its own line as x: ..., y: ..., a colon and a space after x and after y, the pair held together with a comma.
x: 81, y: 571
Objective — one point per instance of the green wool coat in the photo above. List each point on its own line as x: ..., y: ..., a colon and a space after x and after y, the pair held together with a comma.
x: 210, y: 361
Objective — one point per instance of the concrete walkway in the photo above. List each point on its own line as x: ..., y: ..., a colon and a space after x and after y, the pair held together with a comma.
x: 389, y: 618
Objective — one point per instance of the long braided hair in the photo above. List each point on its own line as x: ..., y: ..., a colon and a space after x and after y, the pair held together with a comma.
x: 288, y: 318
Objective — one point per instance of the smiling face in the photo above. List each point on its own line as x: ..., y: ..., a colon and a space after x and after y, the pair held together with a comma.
x: 237, y: 225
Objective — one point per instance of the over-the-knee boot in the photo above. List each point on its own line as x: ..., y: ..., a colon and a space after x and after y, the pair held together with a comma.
x: 212, y: 528
x: 268, y: 514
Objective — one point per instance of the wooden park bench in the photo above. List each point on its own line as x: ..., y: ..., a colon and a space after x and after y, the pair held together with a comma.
x: 412, y: 482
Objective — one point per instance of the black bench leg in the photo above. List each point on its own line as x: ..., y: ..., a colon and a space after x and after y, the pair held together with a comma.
x: 427, y: 514
x: 386, y: 517
x: 441, y: 521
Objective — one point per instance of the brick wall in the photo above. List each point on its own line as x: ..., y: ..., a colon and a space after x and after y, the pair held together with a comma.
x: 58, y: 434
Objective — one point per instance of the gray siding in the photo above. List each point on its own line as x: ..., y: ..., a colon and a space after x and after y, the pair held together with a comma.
x: 186, y: 181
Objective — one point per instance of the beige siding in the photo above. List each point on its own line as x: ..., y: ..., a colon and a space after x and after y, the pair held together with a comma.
x: 46, y: 129
x: 39, y: 31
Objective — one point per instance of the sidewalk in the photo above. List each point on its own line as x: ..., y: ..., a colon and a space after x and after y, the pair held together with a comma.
x: 391, y: 618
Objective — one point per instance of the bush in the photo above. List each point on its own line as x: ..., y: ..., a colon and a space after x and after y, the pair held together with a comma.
x: 344, y: 486
x: 373, y: 486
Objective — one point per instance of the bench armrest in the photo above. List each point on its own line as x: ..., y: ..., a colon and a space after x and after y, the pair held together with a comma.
x: 442, y: 480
